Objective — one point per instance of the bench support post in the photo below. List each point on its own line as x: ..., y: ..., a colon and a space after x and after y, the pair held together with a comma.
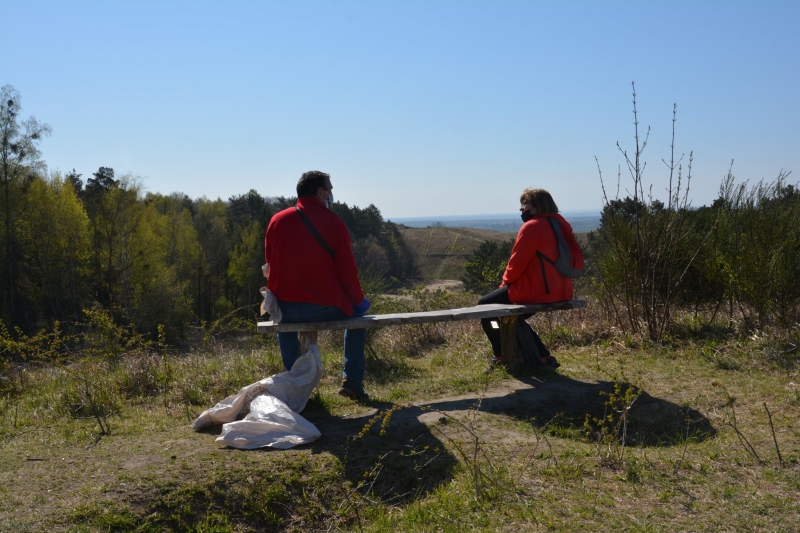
x: 307, y: 338
x: 508, y: 342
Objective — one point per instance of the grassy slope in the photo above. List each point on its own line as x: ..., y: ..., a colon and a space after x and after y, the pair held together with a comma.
x: 407, y: 461
x: 441, y: 252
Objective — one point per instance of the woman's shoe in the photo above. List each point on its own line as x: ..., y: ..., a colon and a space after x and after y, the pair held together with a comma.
x: 550, y: 362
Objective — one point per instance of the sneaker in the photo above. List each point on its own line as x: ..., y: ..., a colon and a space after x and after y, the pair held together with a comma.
x: 493, y: 362
x: 353, y: 390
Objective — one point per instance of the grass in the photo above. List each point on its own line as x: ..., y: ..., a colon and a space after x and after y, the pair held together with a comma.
x: 441, y: 446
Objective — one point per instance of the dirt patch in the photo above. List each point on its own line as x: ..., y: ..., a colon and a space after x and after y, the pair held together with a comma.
x: 450, y: 285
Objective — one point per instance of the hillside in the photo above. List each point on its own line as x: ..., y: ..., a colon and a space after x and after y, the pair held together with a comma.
x: 441, y: 252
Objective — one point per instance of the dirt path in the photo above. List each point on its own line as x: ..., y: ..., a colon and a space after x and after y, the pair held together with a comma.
x: 452, y: 285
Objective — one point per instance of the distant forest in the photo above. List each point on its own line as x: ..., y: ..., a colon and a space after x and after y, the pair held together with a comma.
x: 148, y: 259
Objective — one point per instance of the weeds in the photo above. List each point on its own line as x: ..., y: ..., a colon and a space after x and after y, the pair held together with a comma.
x: 91, y: 393
x: 484, y: 474
x: 610, y: 431
x: 413, y: 457
x: 44, y: 346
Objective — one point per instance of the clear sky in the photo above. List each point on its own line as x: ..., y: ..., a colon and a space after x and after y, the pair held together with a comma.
x: 423, y: 108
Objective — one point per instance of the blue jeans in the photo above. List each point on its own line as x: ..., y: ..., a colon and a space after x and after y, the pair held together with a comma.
x: 354, y: 339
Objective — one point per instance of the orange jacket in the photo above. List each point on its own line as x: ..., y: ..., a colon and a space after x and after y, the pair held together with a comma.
x: 531, y: 279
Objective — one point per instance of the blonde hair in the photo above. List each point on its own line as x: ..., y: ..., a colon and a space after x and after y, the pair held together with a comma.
x: 540, y: 199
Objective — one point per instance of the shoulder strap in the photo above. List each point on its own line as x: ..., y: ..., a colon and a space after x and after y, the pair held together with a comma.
x: 315, y: 233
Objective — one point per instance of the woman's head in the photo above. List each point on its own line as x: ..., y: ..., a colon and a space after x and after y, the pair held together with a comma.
x: 540, y: 200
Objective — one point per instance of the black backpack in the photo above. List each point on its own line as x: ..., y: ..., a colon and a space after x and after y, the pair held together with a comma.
x: 533, y: 350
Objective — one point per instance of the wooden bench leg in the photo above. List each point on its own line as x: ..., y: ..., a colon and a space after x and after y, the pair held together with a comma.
x: 307, y: 338
x: 508, y: 342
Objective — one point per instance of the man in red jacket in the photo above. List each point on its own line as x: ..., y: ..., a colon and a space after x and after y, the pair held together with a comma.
x: 313, y: 274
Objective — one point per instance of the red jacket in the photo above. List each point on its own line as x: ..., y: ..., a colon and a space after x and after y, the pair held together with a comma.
x: 300, y: 270
x: 531, y: 279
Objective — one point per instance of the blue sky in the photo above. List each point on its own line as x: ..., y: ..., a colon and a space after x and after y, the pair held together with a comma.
x: 422, y: 108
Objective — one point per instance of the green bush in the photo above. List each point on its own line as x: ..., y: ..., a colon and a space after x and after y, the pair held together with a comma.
x: 484, y: 269
x: 757, y: 242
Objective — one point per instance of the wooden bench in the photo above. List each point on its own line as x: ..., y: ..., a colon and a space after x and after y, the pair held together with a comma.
x: 508, y: 314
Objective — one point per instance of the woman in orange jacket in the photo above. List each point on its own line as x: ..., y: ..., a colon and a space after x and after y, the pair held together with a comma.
x: 531, y: 276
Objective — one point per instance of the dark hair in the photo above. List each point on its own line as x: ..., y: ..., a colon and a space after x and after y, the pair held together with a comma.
x: 310, y: 182
x: 540, y: 199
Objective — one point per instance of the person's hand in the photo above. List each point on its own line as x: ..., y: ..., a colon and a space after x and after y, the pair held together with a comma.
x: 265, y: 270
x: 362, y: 308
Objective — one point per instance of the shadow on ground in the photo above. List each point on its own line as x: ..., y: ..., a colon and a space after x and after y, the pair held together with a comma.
x: 398, y: 453
x: 566, y: 402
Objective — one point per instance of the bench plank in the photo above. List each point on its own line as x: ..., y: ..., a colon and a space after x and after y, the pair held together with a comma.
x: 447, y: 315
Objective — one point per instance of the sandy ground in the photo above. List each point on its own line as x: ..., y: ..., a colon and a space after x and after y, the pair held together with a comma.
x: 452, y: 285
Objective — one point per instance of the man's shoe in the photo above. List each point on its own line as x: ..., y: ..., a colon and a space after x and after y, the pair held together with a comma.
x: 493, y: 362
x: 353, y: 390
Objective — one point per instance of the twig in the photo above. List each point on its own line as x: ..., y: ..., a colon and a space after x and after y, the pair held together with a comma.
x: 745, y: 443
x: 774, y: 438
x: 685, y: 441
x: 685, y: 445
x: 547, y: 441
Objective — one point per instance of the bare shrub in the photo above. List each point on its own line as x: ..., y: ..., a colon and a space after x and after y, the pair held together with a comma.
x: 643, y: 248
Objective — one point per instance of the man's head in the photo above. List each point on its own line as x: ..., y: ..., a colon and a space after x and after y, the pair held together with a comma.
x: 539, y: 199
x: 317, y: 184
x: 311, y: 181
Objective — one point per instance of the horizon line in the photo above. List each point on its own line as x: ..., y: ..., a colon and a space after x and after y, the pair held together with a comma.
x: 490, y: 216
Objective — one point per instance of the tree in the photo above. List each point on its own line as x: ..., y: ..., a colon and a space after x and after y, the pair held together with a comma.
x: 483, y: 271
x: 55, y: 226
x: 245, y: 259
x: 211, y: 279
x: 97, y: 187
x: 115, y: 211
x: 378, y: 246
x: 74, y: 180
x: 19, y: 155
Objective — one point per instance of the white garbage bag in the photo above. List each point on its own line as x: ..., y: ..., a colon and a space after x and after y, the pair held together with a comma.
x: 272, y: 405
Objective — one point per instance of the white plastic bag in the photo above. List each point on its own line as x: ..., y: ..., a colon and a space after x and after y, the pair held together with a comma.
x: 270, y: 306
x: 273, y: 404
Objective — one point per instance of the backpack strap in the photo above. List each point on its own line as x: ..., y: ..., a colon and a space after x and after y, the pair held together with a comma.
x: 562, y: 264
x: 315, y: 233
